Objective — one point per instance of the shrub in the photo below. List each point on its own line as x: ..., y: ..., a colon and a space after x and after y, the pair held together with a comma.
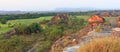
x: 45, y: 47
x: 98, y: 29
x: 56, y: 32
x: 20, y: 28
x: 10, y: 25
x: 34, y: 28
x: 106, y: 23
x: 101, y: 45
x: 3, y: 21
x: 16, y: 44
x: 28, y: 29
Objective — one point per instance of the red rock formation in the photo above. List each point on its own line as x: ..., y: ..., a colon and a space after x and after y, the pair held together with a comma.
x: 95, y: 20
x: 119, y: 22
x: 59, y: 18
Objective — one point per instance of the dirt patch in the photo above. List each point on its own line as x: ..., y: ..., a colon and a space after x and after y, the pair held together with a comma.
x: 9, y: 34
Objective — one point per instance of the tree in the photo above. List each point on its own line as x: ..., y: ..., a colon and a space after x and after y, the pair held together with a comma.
x: 56, y: 32
x: 28, y: 29
x: 3, y: 21
x: 34, y: 28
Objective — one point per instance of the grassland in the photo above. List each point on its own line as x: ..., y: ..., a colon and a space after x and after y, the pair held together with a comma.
x: 28, y: 21
x: 83, y: 17
x: 4, y: 27
x: 27, y: 41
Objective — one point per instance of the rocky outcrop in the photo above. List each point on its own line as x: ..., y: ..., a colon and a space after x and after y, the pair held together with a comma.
x: 64, y: 44
x: 59, y: 18
x: 118, y: 21
x: 68, y: 41
x: 95, y: 20
x: 86, y: 39
x: 115, y: 33
x: 60, y: 44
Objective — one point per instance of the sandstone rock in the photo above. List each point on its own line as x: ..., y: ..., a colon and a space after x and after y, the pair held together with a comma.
x: 59, y: 18
x: 74, y: 42
x: 115, y: 33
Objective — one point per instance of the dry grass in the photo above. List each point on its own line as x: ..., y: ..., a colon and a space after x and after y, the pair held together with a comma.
x: 102, y: 45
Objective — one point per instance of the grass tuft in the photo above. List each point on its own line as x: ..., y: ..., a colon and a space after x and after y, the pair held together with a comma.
x: 102, y: 45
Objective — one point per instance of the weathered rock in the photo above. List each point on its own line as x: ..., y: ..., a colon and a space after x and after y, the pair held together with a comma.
x: 67, y: 41
x: 115, y: 33
x: 119, y: 22
x: 86, y: 39
x: 95, y: 20
x: 61, y: 43
x: 59, y: 18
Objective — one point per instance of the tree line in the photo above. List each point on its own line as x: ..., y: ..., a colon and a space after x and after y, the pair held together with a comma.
x: 103, y: 13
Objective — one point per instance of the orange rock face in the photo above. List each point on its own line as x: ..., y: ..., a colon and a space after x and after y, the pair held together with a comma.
x: 95, y: 20
x: 119, y: 22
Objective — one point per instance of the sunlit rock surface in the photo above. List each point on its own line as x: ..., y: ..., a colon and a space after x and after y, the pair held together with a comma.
x: 86, y: 39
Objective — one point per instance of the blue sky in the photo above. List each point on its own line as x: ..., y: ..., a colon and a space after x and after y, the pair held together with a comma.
x: 39, y: 5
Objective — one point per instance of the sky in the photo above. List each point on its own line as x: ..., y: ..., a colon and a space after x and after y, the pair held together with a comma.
x: 45, y: 5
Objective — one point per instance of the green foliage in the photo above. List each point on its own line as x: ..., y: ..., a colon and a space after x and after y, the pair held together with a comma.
x: 34, y: 28
x: 28, y: 29
x: 44, y: 47
x: 47, y: 36
x: 4, y: 28
x: 55, y: 32
x: 16, y: 44
x: 12, y: 23
x: 77, y: 23
x: 3, y: 21
x: 25, y: 16
x: 21, y: 28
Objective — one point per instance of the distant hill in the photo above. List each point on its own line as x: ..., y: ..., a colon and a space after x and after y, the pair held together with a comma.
x: 11, y: 12
x: 22, y: 12
x: 75, y: 9
x: 101, y: 12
